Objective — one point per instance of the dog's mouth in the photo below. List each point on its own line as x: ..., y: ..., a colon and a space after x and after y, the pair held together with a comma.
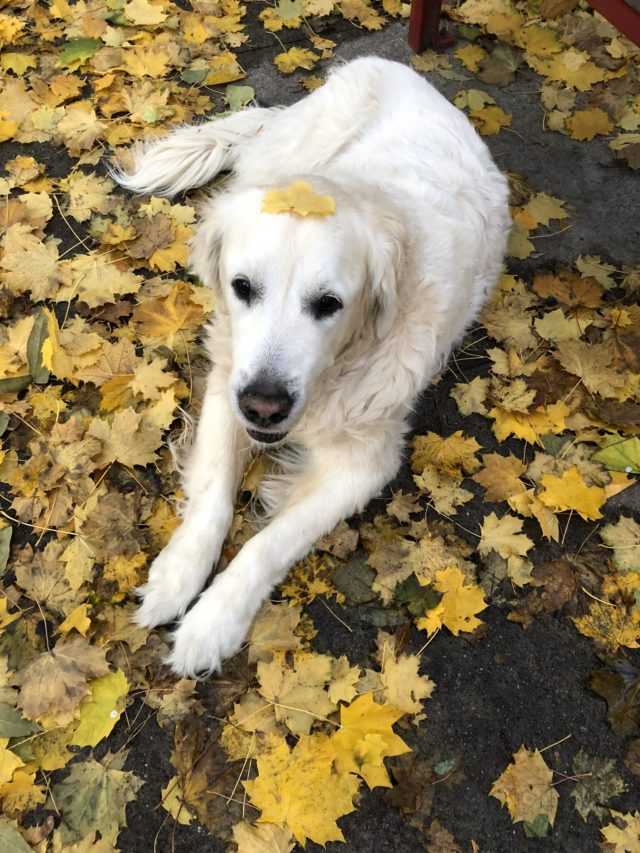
x: 266, y: 437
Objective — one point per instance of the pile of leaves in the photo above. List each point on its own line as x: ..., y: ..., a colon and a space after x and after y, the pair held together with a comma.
x: 100, y: 353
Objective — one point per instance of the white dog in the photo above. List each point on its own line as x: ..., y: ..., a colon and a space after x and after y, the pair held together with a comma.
x: 326, y: 327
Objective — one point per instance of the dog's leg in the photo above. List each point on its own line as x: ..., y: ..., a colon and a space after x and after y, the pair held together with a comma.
x: 191, y: 156
x: 211, y: 478
x: 337, y: 482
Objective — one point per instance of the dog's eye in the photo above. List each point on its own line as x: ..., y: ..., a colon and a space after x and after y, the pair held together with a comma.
x: 242, y: 289
x: 325, y: 306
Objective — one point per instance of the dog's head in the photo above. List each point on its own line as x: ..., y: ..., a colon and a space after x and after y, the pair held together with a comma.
x: 298, y: 291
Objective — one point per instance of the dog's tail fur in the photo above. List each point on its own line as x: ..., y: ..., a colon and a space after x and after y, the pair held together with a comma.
x: 191, y: 156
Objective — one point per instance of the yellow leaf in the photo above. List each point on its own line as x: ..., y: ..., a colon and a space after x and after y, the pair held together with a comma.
x: 169, y: 320
x: 500, y: 476
x: 525, y: 788
x: 403, y: 687
x: 173, y: 800
x: 531, y: 427
x: 458, y: 606
x: 264, y: 838
x: 298, y: 198
x: 77, y: 619
x: 299, y: 789
x: 504, y: 536
x: 294, y: 58
x: 471, y: 55
x: 9, y: 761
x: 365, y: 738
x: 7, y: 618
x: 585, y: 124
x: 224, y: 68
x: 144, y: 13
x: 450, y: 455
x: 570, y: 491
x: 8, y: 129
x: 490, y: 120
x: 610, y: 626
x: 623, y: 834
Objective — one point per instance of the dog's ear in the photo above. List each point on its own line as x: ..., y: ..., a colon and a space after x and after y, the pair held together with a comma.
x: 206, y: 243
x: 386, y: 262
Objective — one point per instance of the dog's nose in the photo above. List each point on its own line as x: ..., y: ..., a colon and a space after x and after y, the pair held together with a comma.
x: 265, y: 403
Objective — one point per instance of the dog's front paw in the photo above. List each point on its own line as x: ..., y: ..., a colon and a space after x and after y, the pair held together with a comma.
x: 213, y: 630
x: 176, y: 576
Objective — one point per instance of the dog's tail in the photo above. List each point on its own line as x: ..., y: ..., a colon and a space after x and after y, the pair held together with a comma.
x: 191, y: 156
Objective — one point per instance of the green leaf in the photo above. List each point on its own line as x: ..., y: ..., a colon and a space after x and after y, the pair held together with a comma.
x: 77, y: 51
x: 94, y: 797
x: 537, y: 828
x: 194, y: 75
x: 11, y: 841
x: 15, y: 384
x: 598, y: 783
x: 237, y: 97
x: 5, y: 542
x: 620, y: 454
x: 13, y: 724
x: 39, y: 334
x: 417, y: 599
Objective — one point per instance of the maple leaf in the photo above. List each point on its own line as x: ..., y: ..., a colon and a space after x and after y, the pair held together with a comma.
x: 531, y: 427
x: 294, y: 58
x: 95, y: 279
x: 598, y: 783
x: 264, y: 838
x: 525, y: 788
x: 569, y: 491
x: 29, y: 264
x: 500, y: 476
x: 624, y: 538
x: 504, y: 536
x: 623, y: 833
x: 298, y: 198
x: 471, y: 55
x: 470, y: 397
x: 458, y: 606
x: 365, y: 738
x: 94, y: 797
x: 526, y: 503
x: 145, y: 13
x: 444, y: 491
x: 53, y: 684
x: 298, y: 693
x: 450, y: 455
x: 87, y: 194
x: 403, y: 687
x: 299, y: 789
x: 169, y: 320
x: 128, y: 438
x: 273, y: 631
x: 585, y: 124
x: 387, y: 550
x: 610, y: 626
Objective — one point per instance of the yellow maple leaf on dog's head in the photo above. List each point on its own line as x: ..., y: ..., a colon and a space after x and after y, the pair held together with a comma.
x: 300, y: 199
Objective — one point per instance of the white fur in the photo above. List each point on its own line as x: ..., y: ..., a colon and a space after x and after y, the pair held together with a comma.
x: 414, y: 247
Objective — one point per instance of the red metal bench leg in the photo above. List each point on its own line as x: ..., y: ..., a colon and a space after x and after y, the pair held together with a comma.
x: 424, y: 26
